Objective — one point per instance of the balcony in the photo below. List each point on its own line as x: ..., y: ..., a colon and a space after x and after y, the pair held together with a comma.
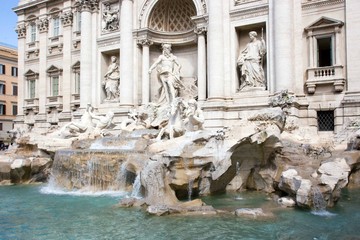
x: 54, y: 102
x: 31, y: 104
x: 325, y: 75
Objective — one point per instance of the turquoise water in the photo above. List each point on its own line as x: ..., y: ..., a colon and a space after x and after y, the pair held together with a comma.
x: 28, y: 212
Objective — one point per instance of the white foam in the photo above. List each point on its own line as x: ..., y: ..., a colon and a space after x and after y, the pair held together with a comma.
x: 323, y: 213
x: 59, y: 191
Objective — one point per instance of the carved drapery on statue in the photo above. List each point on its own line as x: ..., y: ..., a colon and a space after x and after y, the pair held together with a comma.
x: 112, y: 81
x: 250, y: 62
x: 168, y: 73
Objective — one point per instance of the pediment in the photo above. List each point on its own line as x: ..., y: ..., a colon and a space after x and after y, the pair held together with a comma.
x: 30, y: 74
x: 53, y: 69
x: 76, y: 65
x: 324, y: 22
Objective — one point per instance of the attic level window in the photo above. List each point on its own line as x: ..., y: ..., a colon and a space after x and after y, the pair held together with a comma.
x: 325, y: 51
x: 325, y: 120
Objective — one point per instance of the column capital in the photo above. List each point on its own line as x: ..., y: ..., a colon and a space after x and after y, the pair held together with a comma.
x: 145, y: 42
x: 87, y: 5
x: 43, y: 25
x: 200, y: 30
x: 67, y: 18
x: 21, y: 30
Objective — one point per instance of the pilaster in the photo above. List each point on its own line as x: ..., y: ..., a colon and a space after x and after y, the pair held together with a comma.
x: 216, y: 50
x: 21, y: 31
x: 43, y: 26
x: 126, y: 54
x: 283, y: 19
x: 67, y: 21
x: 201, y: 32
x: 145, y: 90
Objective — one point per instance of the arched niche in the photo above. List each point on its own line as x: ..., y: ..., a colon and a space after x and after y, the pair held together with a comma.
x: 148, y: 6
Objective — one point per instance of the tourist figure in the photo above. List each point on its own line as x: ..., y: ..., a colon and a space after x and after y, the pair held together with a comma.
x: 112, y: 80
x: 168, y: 73
x: 250, y: 63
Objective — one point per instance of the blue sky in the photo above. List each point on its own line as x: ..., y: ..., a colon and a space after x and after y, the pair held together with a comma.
x: 8, y: 21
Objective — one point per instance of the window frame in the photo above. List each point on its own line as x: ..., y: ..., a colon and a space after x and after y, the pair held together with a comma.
x: 31, y: 77
x: 56, y: 26
x: 2, y: 88
x: 2, y: 108
x: 32, y: 32
x: 14, y: 71
x: 332, y: 49
x: 2, y: 69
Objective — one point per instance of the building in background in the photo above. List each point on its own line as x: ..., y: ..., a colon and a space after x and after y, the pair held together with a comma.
x: 8, y: 91
x: 309, y: 47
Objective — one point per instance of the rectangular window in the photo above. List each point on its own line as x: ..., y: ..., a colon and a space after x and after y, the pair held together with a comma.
x: 56, y: 27
x: 2, y: 88
x: 33, y: 32
x: 1, y: 126
x: 55, y: 86
x: 31, y: 89
x: 15, y: 90
x: 14, y: 71
x: 2, y: 69
x: 2, y: 109
x: 325, y: 120
x: 325, y: 51
x: 14, y: 110
x: 77, y: 83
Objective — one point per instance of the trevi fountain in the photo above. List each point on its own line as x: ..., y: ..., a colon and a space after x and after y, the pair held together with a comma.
x: 160, y: 174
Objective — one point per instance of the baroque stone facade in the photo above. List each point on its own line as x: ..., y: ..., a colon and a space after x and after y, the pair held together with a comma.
x: 66, y: 48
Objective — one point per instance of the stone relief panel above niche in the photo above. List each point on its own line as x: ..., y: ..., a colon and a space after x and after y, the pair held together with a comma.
x: 240, y: 2
x: 110, y: 17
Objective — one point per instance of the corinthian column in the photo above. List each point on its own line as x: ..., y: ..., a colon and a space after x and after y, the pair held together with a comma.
x: 201, y: 63
x: 43, y: 26
x: 86, y: 7
x: 145, y: 70
x: 21, y: 31
x: 281, y: 13
x: 216, y: 50
x: 67, y: 20
x: 126, y: 54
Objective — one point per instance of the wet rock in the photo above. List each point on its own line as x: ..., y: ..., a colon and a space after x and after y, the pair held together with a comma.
x: 286, y: 202
x: 290, y: 181
x: 190, y: 208
x: 252, y: 213
x: 131, y: 202
x: 334, y: 172
x: 303, y: 194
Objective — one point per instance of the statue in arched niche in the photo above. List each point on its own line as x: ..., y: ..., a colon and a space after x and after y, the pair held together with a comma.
x: 250, y: 62
x: 112, y: 80
x: 168, y: 73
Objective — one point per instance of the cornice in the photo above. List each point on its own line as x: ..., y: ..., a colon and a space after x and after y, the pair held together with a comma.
x: 29, y: 5
x: 320, y: 3
x: 250, y: 12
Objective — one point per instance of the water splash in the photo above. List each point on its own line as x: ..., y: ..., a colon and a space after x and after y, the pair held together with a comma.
x: 136, y: 192
x: 53, y: 189
x: 190, y: 188
x: 320, y: 204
